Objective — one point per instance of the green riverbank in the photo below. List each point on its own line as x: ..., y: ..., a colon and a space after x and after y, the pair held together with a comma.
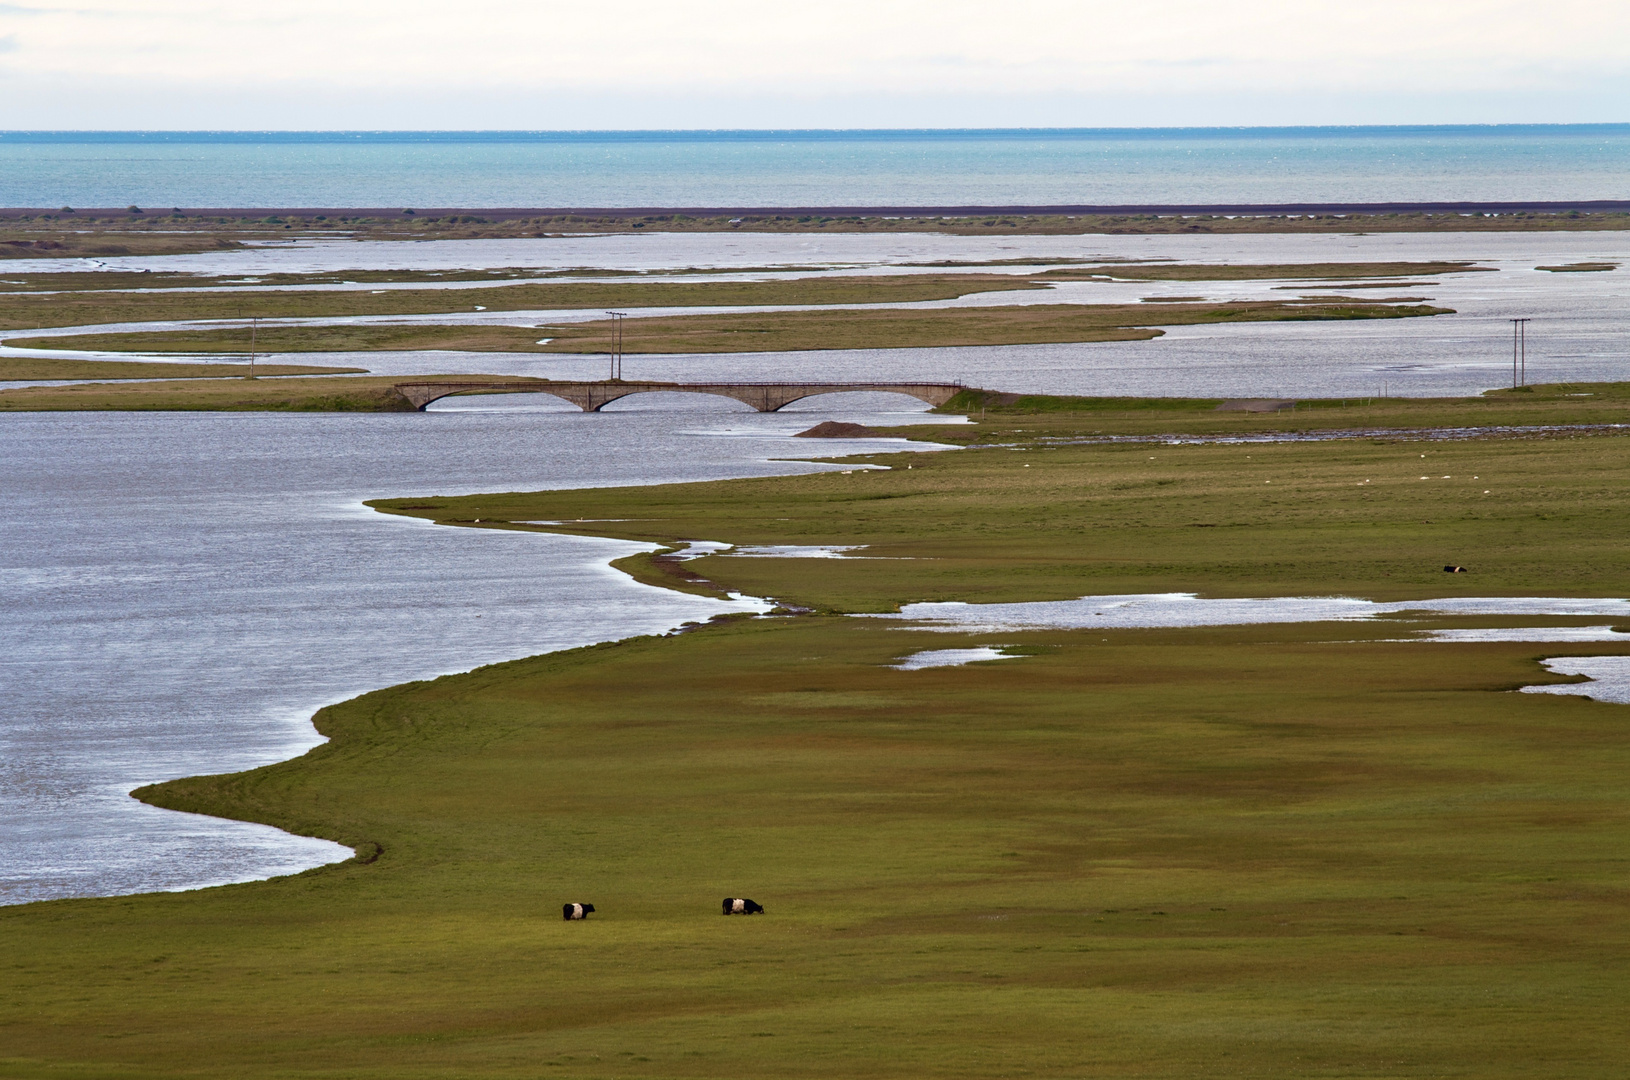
x: 1277, y: 850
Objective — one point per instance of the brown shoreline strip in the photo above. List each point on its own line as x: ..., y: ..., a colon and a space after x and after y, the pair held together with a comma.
x: 1165, y: 209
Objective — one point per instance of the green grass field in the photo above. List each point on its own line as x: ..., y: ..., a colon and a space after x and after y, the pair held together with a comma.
x: 1277, y: 851
x: 26, y: 368
x: 1041, y: 419
x: 351, y: 393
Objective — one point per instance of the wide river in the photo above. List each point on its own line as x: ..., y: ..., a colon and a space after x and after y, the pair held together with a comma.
x: 182, y: 591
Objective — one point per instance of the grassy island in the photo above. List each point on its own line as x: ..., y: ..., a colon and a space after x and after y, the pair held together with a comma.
x: 773, y: 331
x: 1296, y: 850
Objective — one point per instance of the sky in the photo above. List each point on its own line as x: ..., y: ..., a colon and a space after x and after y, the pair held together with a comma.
x: 620, y: 64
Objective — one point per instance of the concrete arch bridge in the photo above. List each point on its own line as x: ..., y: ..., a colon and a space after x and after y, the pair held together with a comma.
x: 593, y: 396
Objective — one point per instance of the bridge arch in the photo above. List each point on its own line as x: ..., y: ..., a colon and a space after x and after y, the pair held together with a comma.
x: 816, y: 391
x: 592, y: 396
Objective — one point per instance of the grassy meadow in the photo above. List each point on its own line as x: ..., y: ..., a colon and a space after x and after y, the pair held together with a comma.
x: 1036, y: 515
x: 1041, y: 419
x: 351, y: 393
x: 1263, y: 851
x: 44, y: 369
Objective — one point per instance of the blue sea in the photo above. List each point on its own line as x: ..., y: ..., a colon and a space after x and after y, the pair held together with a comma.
x: 816, y: 168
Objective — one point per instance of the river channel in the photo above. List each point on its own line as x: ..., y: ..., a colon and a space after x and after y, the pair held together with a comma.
x: 183, y: 590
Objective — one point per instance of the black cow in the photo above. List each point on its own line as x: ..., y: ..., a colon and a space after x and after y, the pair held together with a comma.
x: 1454, y: 569
x: 576, y: 911
x: 736, y: 905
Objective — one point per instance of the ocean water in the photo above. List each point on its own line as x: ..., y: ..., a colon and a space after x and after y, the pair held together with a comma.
x: 815, y: 168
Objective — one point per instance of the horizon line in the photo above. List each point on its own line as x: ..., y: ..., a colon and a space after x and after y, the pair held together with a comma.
x: 24, y: 134
x: 1600, y: 206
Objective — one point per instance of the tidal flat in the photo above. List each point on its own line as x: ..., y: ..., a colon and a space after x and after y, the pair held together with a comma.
x: 1296, y: 849
x: 299, y: 292
x: 773, y: 331
x: 124, y: 298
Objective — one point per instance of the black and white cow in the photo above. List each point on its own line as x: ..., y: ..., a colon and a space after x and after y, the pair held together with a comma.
x: 736, y: 905
x: 576, y: 911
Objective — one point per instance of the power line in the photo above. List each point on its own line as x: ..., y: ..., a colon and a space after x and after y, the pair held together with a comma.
x: 617, y: 343
x: 1519, y: 352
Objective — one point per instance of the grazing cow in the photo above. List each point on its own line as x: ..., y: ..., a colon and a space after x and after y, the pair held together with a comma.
x: 570, y: 912
x: 736, y: 905
x: 1454, y: 569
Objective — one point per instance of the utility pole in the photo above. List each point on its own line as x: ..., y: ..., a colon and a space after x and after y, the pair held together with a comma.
x: 254, y: 331
x: 1519, y: 352
x: 617, y: 343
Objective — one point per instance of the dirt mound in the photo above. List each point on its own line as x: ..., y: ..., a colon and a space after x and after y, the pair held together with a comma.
x: 832, y: 429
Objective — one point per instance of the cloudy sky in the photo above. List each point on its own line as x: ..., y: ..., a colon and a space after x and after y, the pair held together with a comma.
x: 839, y: 63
